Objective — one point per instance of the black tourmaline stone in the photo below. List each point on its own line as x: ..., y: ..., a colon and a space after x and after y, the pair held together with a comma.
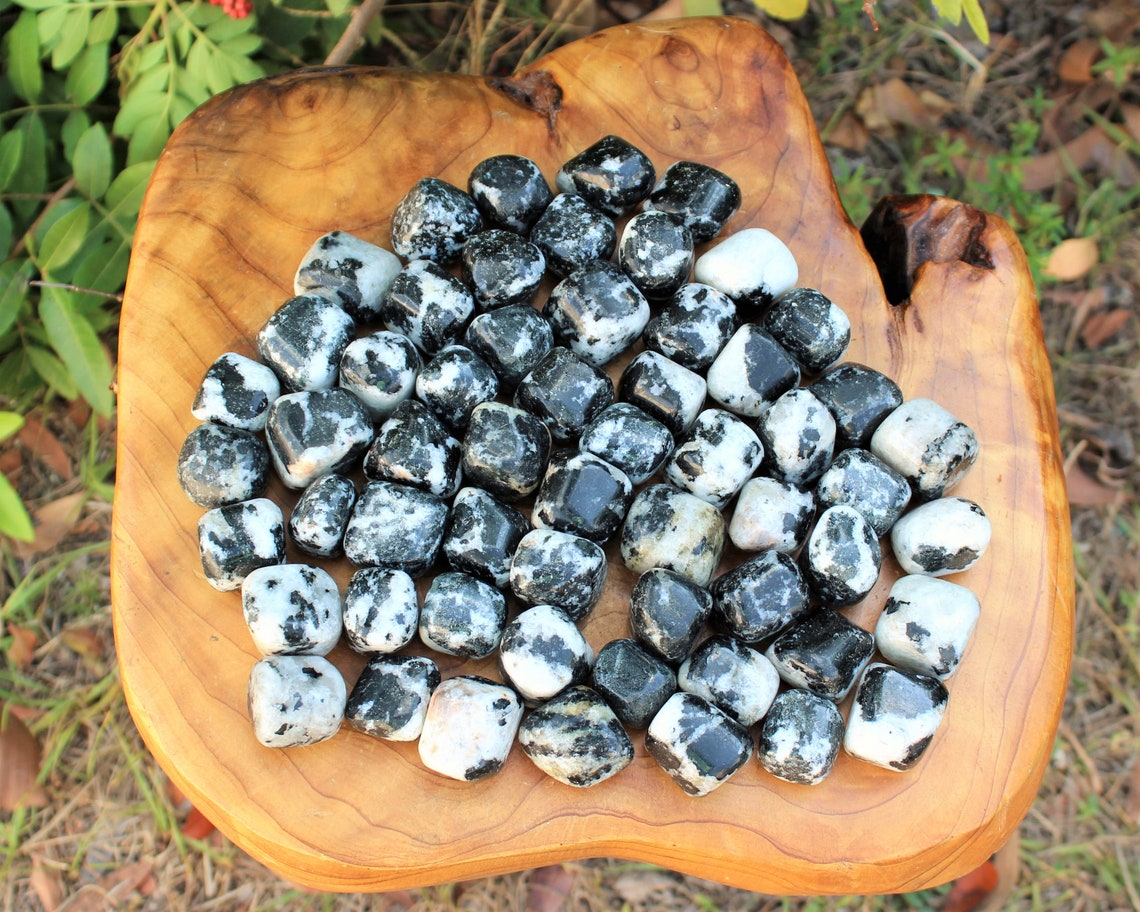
x: 627, y: 438
x: 303, y: 342
x: 559, y: 569
x: 433, y: 221
x: 222, y: 465
x: 292, y: 609
x: 381, y: 610
x: 238, y: 538
x: 824, y: 653
x: 462, y: 616
x: 395, y: 526
x: 454, y: 382
x: 663, y: 389
x: 510, y: 191
x: 633, y: 682
x: 380, y: 370
x: 414, y: 448
x: 505, y: 450
x: 317, y: 522
x: 701, y: 197
x: 656, y: 252
x: 511, y: 339
x: 582, y: 494
x: 760, y: 597
x: 667, y: 613
x: 428, y: 305
x: 813, y: 329
x: 482, y: 535
x: 927, y: 445
x: 800, y: 737
x: 390, y: 698
x: 565, y: 392
x: 894, y: 717
x: 751, y: 372
x: 502, y: 268
x: 859, y: 398
x: 734, y: 678
x: 714, y: 460
x: 542, y: 652
x: 696, y: 744
x: 354, y: 272
x: 771, y: 515
x: 926, y: 624
x: 313, y: 432
x: 570, y: 233
x: 295, y: 700
x: 861, y: 480
x: 693, y: 326
x: 941, y: 537
x: 576, y: 738
x: 842, y: 558
x: 596, y: 312
x: 612, y: 175
x: 237, y: 392
x: 798, y: 434
x: 673, y: 529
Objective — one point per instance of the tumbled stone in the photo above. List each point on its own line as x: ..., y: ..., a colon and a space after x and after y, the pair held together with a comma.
x: 462, y: 616
x: 380, y: 370
x: 675, y: 530
x: 295, y: 700
x: 238, y: 538
x: 543, y: 652
x: 859, y: 398
x: 482, y: 535
x: 842, y: 559
x: 943, y: 536
x: 663, y: 389
x: 511, y: 339
x: 751, y: 372
x: 582, y: 494
x: 771, y: 515
x: 354, y: 272
x: 395, y: 526
x: 628, y: 439
x: 570, y: 233
x: 559, y: 569
x: 414, y: 448
x: 735, y: 679
x: 612, y: 174
x: 811, y: 328
x: 433, y: 221
x: 693, y: 326
x: 656, y: 252
x: 469, y: 728
x: 861, y: 480
x: 510, y: 191
x: 576, y: 738
x: 667, y: 613
x: 634, y: 683
x: 321, y: 513
x: 798, y: 434
x: 428, y: 305
x: 927, y: 445
x: 714, y: 460
x: 502, y: 268
x: 596, y: 312
x: 701, y: 197
x: 894, y: 717
x: 237, y: 392
x: 926, y: 625
x: 303, y: 342
x: 381, y: 610
x: 760, y: 597
x: 752, y: 267
x: 454, y: 382
x: 316, y: 431
x: 566, y: 392
x: 292, y: 609
x: 505, y: 450
x: 800, y: 737
x: 390, y: 698
x: 823, y: 652
x: 699, y: 746
x: 220, y: 465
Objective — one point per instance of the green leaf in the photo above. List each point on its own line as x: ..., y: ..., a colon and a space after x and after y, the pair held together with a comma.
x: 153, y: 81
x: 151, y: 55
x: 240, y: 46
x: 226, y: 28
x: 24, y: 71
x: 338, y: 7
x: 52, y: 371
x: 73, y: 339
x: 74, y: 126
x: 31, y: 177
x: 703, y: 8
x: 10, y: 422
x: 104, y: 268
x: 88, y: 74
x: 49, y: 25
x: 93, y: 161
x: 245, y: 70
x: 72, y: 38
x: 11, y: 152
x: 950, y: 10
x: 6, y: 230
x: 64, y: 238
x: 977, y: 19
x: 41, y: 4
x: 14, y: 277
x: 104, y: 26
x: 139, y: 108
x: 203, y: 15
x: 147, y: 140
x: 126, y: 192
x: 14, y: 519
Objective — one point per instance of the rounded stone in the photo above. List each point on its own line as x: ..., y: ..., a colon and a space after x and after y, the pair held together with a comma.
x: 395, y: 526
x: 798, y: 434
x: 842, y: 559
x: 510, y: 191
x: 429, y: 305
x: 321, y: 514
x: 221, y: 465
x: 612, y: 174
x: 295, y: 700
x: 570, y: 233
x: 566, y: 392
x: 667, y: 613
x: 559, y: 569
x: 771, y: 515
x: 752, y: 267
x: 502, y: 268
x: 699, y: 746
x: 894, y: 717
x: 482, y: 535
x: 714, y: 460
x: 693, y: 326
x: 433, y: 221
x: 469, y: 728
x: 454, y: 382
x: 237, y: 392
x: 663, y: 389
x: 505, y: 450
x: 926, y: 625
x: 354, y: 272
x: 656, y: 252
x: 390, y: 698
x: 800, y: 737
x: 861, y: 480
x: 316, y: 431
x: 582, y: 494
x: 675, y: 530
x: 751, y: 372
x: 542, y: 652
x: 412, y: 447
x: 760, y: 597
x: 824, y: 653
x: 238, y: 538
x: 633, y: 682
x: 380, y: 370
x: 381, y: 610
x: 511, y: 339
x: 927, y: 445
x: 462, y: 616
x: 940, y: 537
x: 859, y: 398
x: 737, y: 680
x: 628, y: 439
x: 576, y: 738
x: 811, y: 327
x: 303, y: 342
x: 292, y: 609
x: 596, y: 312
x: 701, y: 197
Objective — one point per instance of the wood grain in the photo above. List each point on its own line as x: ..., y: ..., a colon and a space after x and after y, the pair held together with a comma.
x: 243, y: 189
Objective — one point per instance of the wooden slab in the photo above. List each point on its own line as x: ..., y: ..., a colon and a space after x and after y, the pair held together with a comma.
x: 243, y: 189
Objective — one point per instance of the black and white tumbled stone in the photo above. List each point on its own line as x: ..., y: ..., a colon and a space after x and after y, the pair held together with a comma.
x: 861, y: 480
x: 798, y: 434
x: 482, y: 535
x: 511, y: 339
x: 894, y: 717
x: 433, y: 221
x: 811, y: 327
x: 316, y: 431
x: 698, y: 745
x: 734, y: 678
x: 428, y: 305
x: 842, y: 558
x: 859, y: 398
x: 238, y: 538
x: 667, y: 613
x: 942, y: 536
x: 390, y: 698
x: 701, y: 197
x: 413, y: 447
x: 570, y: 233
x: 454, y: 382
x: 927, y: 445
x: 237, y: 392
x: 292, y: 609
x: 627, y: 438
x: 717, y: 456
x: 673, y: 529
x: 380, y: 370
x: 926, y: 625
x: 505, y: 450
x: 510, y: 191
x: 752, y: 267
x: 469, y: 728
x: 559, y: 569
x: 800, y: 737
x: 396, y: 526
x: 220, y: 465
x: 381, y: 610
x: 751, y: 372
x: 502, y: 268
x: 596, y: 312
x: 295, y: 700
x: 321, y: 513
x: 656, y: 252
x: 760, y: 597
x: 354, y: 272
x: 663, y: 389
x: 462, y: 616
x: 633, y: 682
x: 576, y: 738
x: 566, y: 392
x: 612, y: 175
x: 693, y: 326
x: 771, y: 515
x: 303, y: 342
x: 823, y: 652
x: 582, y: 494
x: 542, y: 652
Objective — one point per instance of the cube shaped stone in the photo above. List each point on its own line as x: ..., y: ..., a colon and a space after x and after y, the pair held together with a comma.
x: 428, y: 305
x: 292, y: 609
x: 823, y: 652
x: 560, y: 569
x: 656, y: 252
x: 699, y: 746
x: 510, y: 191
x: 511, y: 339
x: 861, y: 480
x: 413, y: 447
x: 566, y: 392
x: 395, y: 526
x: 596, y: 312
x: 570, y: 233
x: 699, y: 196
x: 469, y: 728
x: 752, y: 267
x: 717, y: 456
x: 926, y: 625
x: 505, y: 450
x: 667, y: 613
x: 295, y: 700
x: 235, y: 539
x: 433, y: 221
x: 859, y: 398
x: 927, y: 445
x: 798, y: 434
x: 811, y: 328
x: 313, y: 432
x: 842, y: 558
x: 321, y: 514
x: 751, y: 372
x: 760, y: 597
x: 800, y: 737
x: 390, y: 698
x: 237, y: 392
x: 633, y: 682
x: 355, y: 273
x: 380, y: 370
x: 735, y: 679
x: 220, y: 465
x: 502, y: 268
x: 663, y: 389
x: 482, y: 535
x: 576, y: 738
x: 381, y: 610
x: 542, y: 652
x: 462, y: 616
x: 628, y: 439
x: 669, y: 528
x: 894, y: 717
x: 454, y: 382
x: 612, y: 174
x: 582, y: 494
x: 693, y: 326
x: 771, y: 515
x: 941, y: 537
x: 303, y: 341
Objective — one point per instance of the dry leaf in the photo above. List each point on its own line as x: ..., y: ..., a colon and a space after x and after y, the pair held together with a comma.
x: 1103, y: 325
x: 19, y: 765
x: 549, y: 888
x: 894, y: 102
x: 1086, y: 491
x: 849, y: 133
x: 197, y: 826
x: 47, y: 885
x: 1094, y: 147
x: 970, y: 890
x: 1077, y: 61
x: 52, y: 522
x: 637, y: 887
x: 45, y: 446
x: 23, y: 647
x: 1072, y: 259
x: 83, y: 641
x: 1131, y: 115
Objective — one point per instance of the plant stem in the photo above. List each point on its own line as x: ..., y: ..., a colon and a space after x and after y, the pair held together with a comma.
x: 91, y: 291
x: 353, y: 35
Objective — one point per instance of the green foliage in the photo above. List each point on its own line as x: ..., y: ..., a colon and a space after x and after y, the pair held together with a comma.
x: 14, y: 519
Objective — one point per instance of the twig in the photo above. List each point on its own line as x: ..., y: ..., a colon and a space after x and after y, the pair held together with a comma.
x: 68, y: 186
x: 91, y: 291
x: 353, y: 35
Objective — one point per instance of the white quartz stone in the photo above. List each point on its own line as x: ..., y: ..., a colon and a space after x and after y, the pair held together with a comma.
x: 354, y: 272
x: 292, y: 609
x: 669, y: 528
x: 469, y: 728
x: 771, y: 515
x: 381, y: 611
x: 751, y: 263
x: 798, y: 433
x: 237, y: 391
x: 738, y: 680
x: 894, y: 717
x: 927, y: 445
x: 688, y: 735
x: 927, y: 624
x: 719, y: 455
x: 381, y: 370
x: 943, y: 536
x: 295, y: 700
x: 542, y: 652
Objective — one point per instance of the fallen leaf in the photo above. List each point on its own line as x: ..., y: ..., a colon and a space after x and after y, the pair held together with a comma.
x: 894, y: 102
x: 1086, y: 491
x: 1103, y: 325
x: 971, y: 889
x: 12, y: 465
x: 53, y: 521
x: 23, y: 646
x: 549, y: 888
x: 1077, y: 61
x: 637, y: 887
x: 124, y: 881
x: 45, y: 446
x: 398, y: 899
x: 19, y: 765
x: 83, y: 641
x: 47, y: 885
x: 197, y: 826
x: 849, y: 133
x: 1092, y: 148
x: 1131, y: 114
x: 1072, y: 259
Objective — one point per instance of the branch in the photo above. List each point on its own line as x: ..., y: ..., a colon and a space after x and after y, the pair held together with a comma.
x: 353, y: 35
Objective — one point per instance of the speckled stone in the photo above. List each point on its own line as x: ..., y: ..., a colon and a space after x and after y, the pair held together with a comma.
x: 927, y: 445
x: 842, y: 559
x: 943, y: 536
x: 292, y: 609
x: 354, y: 272
x: 612, y: 175
x: 663, y: 389
x: 800, y: 737
x: 380, y: 370
x: 771, y: 515
x: 381, y: 610
x: 859, y: 398
x: 511, y: 339
x: 429, y: 305
x: 751, y: 372
x: 699, y: 746
x: 673, y: 529
x: 693, y: 326
x: 714, y: 460
x: 811, y: 328
x: 295, y: 700
x: 237, y: 392
x: 566, y: 392
x: 510, y: 191
x: 798, y: 434
x: 313, y: 432
x: 701, y: 197
x: 823, y: 652
x: 414, y: 448
x: 303, y: 341
x: 760, y: 597
x: 542, y: 652
x: 395, y: 526
x: 220, y: 465
x: 570, y: 233
x: 752, y: 267
x: 560, y: 569
x: 861, y: 480
x: 576, y: 738
x: 894, y: 717
x: 596, y: 312
x: 238, y: 538
x: 454, y: 382
x: 634, y: 683
x: 582, y: 494
x: 482, y: 535
x: 926, y: 625
x: 505, y: 450
x: 502, y: 268
x: 628, y: 439
x: 390, y: 698
x: 656, y: 252
x: 735, y: 679
x: 469, y: 728
x: 462, y: 616
x: 433, y: 221
x: 321, y: 513
x: 667, y: 613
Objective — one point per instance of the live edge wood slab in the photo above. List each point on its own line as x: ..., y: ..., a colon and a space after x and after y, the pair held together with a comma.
x: 255, y: 176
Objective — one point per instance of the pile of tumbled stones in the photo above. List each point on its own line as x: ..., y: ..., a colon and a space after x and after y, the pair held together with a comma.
x: 470, y: 400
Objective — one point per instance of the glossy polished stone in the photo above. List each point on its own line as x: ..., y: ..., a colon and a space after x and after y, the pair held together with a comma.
x: 667, y: 613
x: 542, y: 652
x: 505, y: 450
x: 693, y: 326
x: 941, y: 537
x: 927, y: 445
x: 861, y: 480
x: 760, y: 597
x: 582, y: 494
x: 628, y: 439
x: 633, y: 682
x: 800, y: 737
x: 414, y: 448
x: 395, y: 526
x: 894, y: 717
x: 675, y: 530
x: 751, y: 372
x: 823, y: 652
x: 663, y: 389
x: 316, y: 431
x: 565, y: 392
x: 469, y: 728
x: 717, y: 456
x: 482, y: 535
x: 390, y: 698
x: 612, y: 174
x: 510, y: 191
x: 462, y: 616
x: 771, y: 515
x: 559, y: 569
x: 701, y: 197
x: 511, y: 339
x: 321, y: 513
x: 237, y: 392
x: 656, y: 252
x: 295, y: 700
x: 220, y: 465
x: 381, y: 610
x: 859, y: 398
x: 752, y: 267
x: 570, y: 233
x: 303, y: 341
x: 596, y: 312
x: 433, y: 221
x: 926, y: 625
x: 699, y: 746
x: 238, y: 538
x: 842, y: 558
x: 811, y: 328
x: 735, y: 679
x: 355, y: 273
x: 576, y: 738
x: 292, y: 609
x: 798, y: 434
x: 502, y: 268
x: 429, y: 305
x: 453, y: 383
x: 380, y: 370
